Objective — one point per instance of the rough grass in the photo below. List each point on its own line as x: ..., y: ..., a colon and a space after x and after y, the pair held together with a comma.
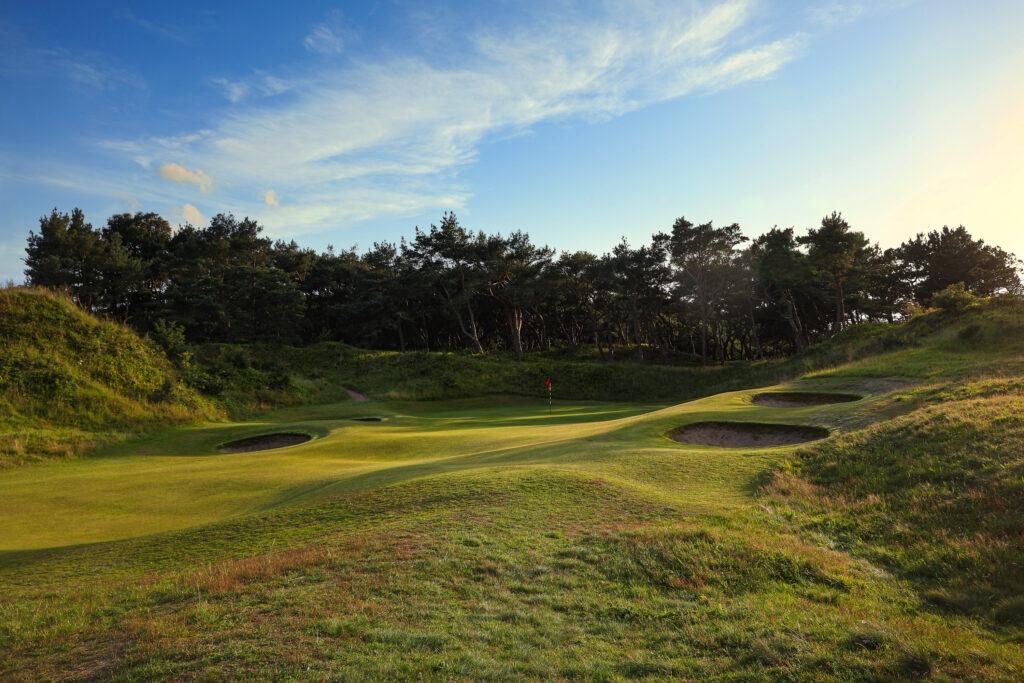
x: 936, y: 495
x: 483, y: 539
x: 69, y: 382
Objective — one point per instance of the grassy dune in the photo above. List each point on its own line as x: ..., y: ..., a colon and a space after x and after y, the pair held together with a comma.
x: 70, y: 382
x: 482, y: 538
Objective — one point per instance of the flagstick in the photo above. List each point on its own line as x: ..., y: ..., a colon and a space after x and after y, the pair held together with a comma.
x: 549, y: 399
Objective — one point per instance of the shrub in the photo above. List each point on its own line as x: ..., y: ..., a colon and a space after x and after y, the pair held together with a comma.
x: 170, y: 336
x: 954, y: 298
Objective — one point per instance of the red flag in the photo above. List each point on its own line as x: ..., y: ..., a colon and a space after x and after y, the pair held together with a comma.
x: 548, y: 382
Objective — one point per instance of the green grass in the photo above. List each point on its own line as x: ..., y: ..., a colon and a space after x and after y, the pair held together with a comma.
x: 935, y: 495
x: 70, y: 382
x: 481, y: 538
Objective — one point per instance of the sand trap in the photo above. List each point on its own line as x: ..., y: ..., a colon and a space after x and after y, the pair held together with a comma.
x: 798, y: 399
x: 746, y: 434
x: 367, y: 419
x: 263, y: 443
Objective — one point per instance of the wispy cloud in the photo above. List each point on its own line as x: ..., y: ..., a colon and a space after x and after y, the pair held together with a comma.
x: 88, y: 70
x: 174, y: 33
x: 840, y: 12
x: 834, y: 13
x: 259, y: 83
x: 270, y: 198
x: 180, y: 174
x: 335, y: 210
x: 389, y: 136
x: 329, y: 37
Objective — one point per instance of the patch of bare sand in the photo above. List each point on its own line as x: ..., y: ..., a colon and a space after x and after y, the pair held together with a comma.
x: 263, y: 443
x: 800, y: 399
x: 746, y: 434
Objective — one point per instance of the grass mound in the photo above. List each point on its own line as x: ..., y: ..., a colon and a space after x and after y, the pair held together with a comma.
x: 936, y: 496
x: 488, y: 539
x: 69, y: 382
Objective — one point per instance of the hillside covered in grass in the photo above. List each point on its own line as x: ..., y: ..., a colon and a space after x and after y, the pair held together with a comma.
x: 935, y: 494
x: 484, y: 539
x: 246, y: 377
x: 69, y: 381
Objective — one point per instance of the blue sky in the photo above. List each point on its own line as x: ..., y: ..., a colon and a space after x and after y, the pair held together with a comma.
x: 579, y: 122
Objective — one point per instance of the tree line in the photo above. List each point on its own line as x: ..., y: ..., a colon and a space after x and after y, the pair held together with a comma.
x: 696, y: 290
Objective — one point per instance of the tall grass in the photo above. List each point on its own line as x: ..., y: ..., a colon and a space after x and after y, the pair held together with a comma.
x: 69, y: 381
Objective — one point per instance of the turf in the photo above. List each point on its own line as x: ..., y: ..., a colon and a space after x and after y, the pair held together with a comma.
x: 70, y: 382
x: 482, y: 538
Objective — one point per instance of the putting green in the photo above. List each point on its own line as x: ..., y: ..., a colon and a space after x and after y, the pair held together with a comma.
x: 178, y: 479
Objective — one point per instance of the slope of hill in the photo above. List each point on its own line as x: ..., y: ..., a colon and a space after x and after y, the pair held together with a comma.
x: 70, y: 382
x: 485, y: 539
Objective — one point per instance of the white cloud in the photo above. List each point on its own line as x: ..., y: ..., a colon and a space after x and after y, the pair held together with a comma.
x: 174, y: 33
x: 270, y: 198
x: 835, y: 13
x: 187, y: 213
x: 133, y: 203
x: 839, y: 12
x: 328, y: 38
x: 84, y: 68
x: 235, y: 91
x: 180, y: 174
x: 259, y: 83
x: 323, y: 212
x: 388, y: 137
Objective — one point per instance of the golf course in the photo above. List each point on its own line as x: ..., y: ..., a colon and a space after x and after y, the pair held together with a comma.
x: 645, y: 340
x: 495, y: 536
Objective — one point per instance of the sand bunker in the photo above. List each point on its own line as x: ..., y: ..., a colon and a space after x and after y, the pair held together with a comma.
x: 263, y: 443
x: 366, y: 419
x: 746, y: 434
x: 799, y: 399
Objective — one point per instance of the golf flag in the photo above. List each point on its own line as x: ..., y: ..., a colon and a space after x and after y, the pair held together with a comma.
x: 548, y: 382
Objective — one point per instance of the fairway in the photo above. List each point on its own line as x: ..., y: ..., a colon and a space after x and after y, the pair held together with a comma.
x: 629, y: 341
x: 179, y: 479
x: 477, y: 538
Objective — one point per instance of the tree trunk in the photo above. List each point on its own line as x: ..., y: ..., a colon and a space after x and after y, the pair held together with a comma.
x: 515, y: 327
x: 755, y: 340
x: 473, y: 329
x: 703, y: 340
x: 793, y: 318
x: 636, y: 338
x: 840, y: 309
